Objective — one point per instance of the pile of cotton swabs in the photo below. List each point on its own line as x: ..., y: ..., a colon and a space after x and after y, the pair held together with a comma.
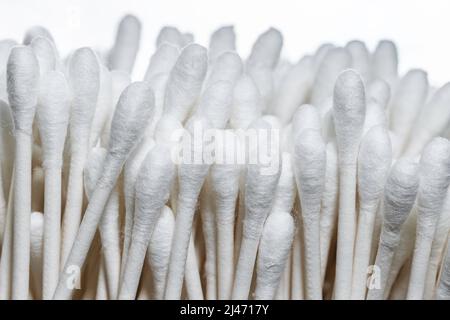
x: 217, y: 177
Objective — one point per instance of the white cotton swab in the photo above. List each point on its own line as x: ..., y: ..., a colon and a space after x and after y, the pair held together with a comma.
x: 360, y: 58
x: 348, y: 114
x: 430, y: 122
x: 385, y: 62
x: 126, y: 46
x: 273, y: 253
x: 309, y: 166
x: 52, y: 117
x: 225, y: 186
x: 221, y: 41
x: 399, y: 195
x: 34, y: 32
x: 259, y: 193
x: 152, y: 192
x: 130, y: 173
x: 185, y: 82
x: 334, y: 62
x: 434, y: 175
x: 247, y: 103
x: 132, y: 114
x: 329, y: 206
x: 286, y: 189
x: 23, y: 77
x: 45, y: 52
x: 158, y: 253
x: 406, y: 103
x: 162, y: 61
x: 191, y: 175
x: 294, y: 89
x: 84, y: 79
x: 262, y: 61
x: 109, y: 225
x: 285, y: 195
x: 374, y: 162
x: 171, y: 35
x: 443, y: 289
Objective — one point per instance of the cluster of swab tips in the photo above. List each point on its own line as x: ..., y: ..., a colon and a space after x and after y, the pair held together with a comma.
x: 220, y: 178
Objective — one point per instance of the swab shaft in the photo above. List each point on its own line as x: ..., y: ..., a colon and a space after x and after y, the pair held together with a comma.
x: 346, y: 232
x: 21, y: 223
x: 52, y: 231
x: 363, y: 245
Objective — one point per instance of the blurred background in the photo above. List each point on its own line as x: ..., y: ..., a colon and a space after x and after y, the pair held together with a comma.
x: 420, y: 28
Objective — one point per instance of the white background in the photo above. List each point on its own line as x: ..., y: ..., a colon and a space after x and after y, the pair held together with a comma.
x: 420, y: 28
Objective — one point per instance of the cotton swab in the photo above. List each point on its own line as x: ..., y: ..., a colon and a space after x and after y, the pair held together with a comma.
x: 430, y: 122
x: 84, y: 79
x: 262, y: 60
x: 126, y: 46
x: 348, y: 112
x: 52, y: 119
x: 385, y: 62
x: 400, y: 193
x: 171, y: 35
x: 221, y: 41
x: 310, y: 164
x: 190, y: 179
x: 333, y: 63
x: 409, y: 98
x: 374, y: 162
x: 434, y: 175
x: 360, y: 58
x: 45, y: 52
x: 259, y: 193
x: 133, y: 112
x: 152, y: 192
x: 23, y: 77
x: 294, y: 89
x: 276, y: 242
